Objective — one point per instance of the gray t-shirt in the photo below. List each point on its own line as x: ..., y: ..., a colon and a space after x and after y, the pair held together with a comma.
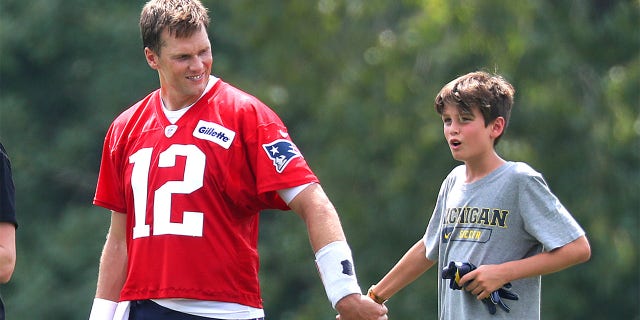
x: 508, y: 215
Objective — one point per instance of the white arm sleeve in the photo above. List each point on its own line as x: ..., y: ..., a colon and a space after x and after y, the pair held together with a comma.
x: 288, y: 194
x: 102, y: 309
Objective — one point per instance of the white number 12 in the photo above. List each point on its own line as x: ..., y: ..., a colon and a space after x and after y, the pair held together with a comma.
x: 192, y: 224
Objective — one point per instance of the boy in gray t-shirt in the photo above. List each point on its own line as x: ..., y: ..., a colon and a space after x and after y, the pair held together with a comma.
x: 496, y: 227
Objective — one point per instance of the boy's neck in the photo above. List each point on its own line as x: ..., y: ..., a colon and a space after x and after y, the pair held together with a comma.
x: 480, y: 168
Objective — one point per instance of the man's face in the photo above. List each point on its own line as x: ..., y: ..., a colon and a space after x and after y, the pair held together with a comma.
x: 184, y: 66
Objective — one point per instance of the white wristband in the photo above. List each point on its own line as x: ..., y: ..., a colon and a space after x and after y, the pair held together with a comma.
x: 102, y: 309
x: 337, y: 271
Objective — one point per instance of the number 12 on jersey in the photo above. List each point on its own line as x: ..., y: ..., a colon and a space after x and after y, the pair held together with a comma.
x: 192, y: 224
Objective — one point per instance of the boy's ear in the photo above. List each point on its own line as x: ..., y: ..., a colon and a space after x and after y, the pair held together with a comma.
x: 497, y: 127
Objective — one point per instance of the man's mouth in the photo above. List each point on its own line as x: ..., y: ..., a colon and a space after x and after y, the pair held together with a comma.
x: 198, y: 77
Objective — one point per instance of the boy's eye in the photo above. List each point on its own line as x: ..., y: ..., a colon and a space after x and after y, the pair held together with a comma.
x: 466, y: 118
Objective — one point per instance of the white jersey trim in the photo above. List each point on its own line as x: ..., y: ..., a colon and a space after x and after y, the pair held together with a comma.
x: 174, y: 115
x: 211, y: 309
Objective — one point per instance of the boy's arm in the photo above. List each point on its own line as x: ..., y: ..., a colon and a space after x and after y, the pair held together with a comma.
x: 488, y: 278
x: 413, y: 264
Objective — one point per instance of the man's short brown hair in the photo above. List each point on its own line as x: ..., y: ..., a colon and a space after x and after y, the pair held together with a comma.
x: 181, y: 17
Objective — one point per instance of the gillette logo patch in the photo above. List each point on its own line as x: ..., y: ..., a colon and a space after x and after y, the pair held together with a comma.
x: 214, y: 133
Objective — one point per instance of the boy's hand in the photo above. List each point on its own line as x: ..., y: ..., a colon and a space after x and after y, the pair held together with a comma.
x: 483, y: 282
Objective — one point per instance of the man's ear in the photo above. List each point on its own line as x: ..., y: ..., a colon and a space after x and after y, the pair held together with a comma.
x: 497, y: 127
x: 152, y: 58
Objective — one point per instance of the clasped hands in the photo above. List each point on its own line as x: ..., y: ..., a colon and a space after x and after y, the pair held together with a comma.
x: 360, y: 307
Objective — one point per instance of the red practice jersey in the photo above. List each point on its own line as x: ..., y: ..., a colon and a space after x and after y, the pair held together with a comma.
x: 192, y: 193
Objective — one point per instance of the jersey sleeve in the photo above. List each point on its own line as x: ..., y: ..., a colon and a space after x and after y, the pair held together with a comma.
x: 270, y: 160
x: 547, y: 219
x: 279, y: 164
x: 109, y: 193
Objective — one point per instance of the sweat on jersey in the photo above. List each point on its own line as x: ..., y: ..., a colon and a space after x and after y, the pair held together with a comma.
x: 192, y: 192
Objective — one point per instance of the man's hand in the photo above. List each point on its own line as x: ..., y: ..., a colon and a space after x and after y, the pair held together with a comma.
x: 360, y: 307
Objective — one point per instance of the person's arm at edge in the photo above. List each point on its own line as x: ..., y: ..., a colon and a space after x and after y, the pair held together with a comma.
x: 113, y: 262
x: 409, y: 268
x: 7, y: 251
x: 324, y: 227
x: 488, y: 278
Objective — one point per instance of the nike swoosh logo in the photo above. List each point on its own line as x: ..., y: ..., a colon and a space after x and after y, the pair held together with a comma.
x: 284, y: 134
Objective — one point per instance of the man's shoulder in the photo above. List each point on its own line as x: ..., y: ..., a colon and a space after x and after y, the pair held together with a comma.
x: 229, y: 92
x: 232, y: 101
x: 145, y: 104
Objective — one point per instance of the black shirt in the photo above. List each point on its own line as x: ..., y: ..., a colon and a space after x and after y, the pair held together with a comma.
x: 7, y: 190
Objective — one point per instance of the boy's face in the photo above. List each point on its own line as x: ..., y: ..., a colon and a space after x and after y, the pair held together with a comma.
x: 466, y: 134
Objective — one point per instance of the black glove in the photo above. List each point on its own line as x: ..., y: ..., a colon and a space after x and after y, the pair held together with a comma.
x: 456, y: 270
x: 495, y: 298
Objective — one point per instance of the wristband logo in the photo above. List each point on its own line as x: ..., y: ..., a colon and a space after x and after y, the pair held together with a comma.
x: 347, y: 267
x: 281, y: 152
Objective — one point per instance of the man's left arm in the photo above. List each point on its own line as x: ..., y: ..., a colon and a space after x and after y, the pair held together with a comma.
x: 333, y: 255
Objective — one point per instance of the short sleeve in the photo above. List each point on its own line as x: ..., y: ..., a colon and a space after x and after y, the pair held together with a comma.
x: 546, y: 218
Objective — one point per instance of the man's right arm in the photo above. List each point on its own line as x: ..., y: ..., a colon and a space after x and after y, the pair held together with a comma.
x: 113, y: 268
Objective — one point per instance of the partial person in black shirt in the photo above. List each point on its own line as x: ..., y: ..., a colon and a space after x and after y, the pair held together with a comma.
x: 8, y: 222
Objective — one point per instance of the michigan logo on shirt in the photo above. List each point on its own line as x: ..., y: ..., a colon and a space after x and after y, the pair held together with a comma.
x: 281, y: 152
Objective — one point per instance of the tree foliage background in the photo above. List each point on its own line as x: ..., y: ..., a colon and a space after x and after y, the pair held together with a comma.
x: 354, y: 80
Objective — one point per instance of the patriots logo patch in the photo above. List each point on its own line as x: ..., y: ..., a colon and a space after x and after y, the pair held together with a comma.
x: 347, y: 267
x: 281, y: 152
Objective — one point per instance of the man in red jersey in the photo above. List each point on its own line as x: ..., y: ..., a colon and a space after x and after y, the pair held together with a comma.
x: 185, y: 173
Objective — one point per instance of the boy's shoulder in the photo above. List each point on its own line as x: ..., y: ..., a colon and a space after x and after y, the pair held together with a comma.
x: 521, y: 173
x: 510, y: 167
x: 523, y: 168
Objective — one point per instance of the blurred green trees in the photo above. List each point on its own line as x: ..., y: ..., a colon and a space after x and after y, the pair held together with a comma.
x: 354, y: 80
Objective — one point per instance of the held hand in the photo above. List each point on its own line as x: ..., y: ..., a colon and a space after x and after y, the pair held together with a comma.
x: 360, y: 307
